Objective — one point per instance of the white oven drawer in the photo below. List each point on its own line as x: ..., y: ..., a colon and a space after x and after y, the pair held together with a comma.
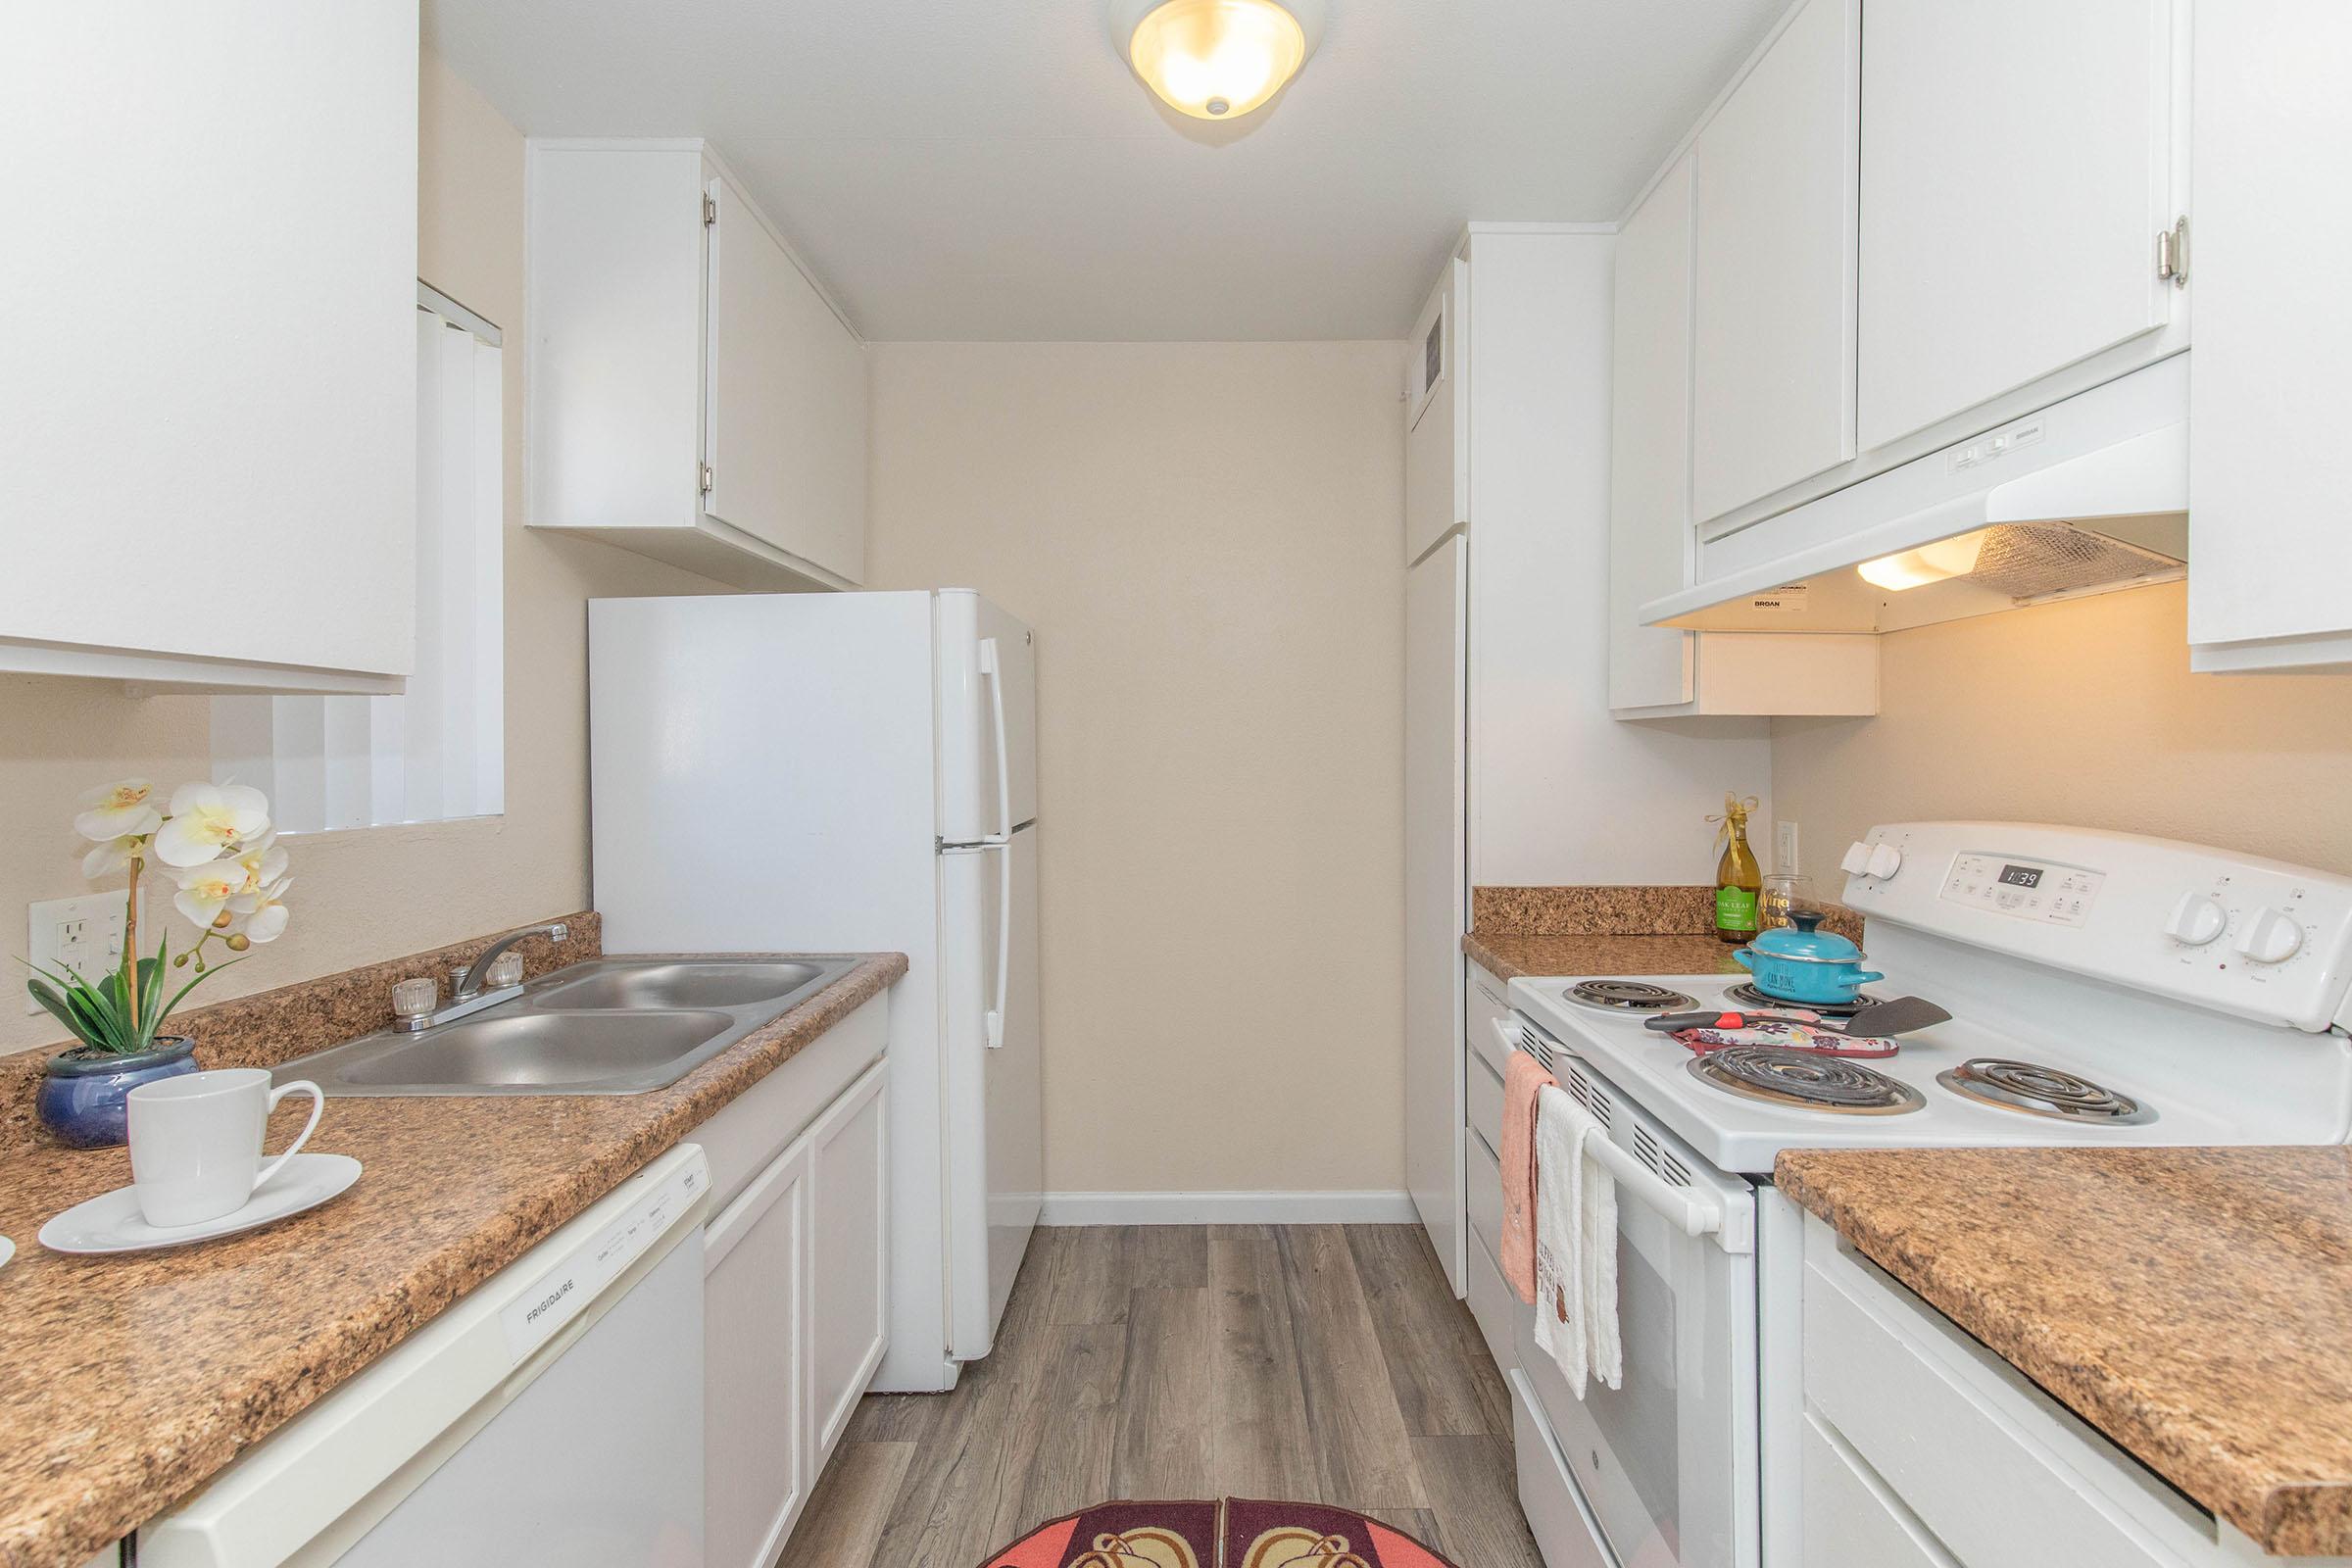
x: 1486, y: 1101
x: 1486, y: 1191
x: 1564, y: 1529
x: 1944, y: 1425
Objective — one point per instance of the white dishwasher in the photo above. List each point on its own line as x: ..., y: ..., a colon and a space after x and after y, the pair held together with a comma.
x: 553, y: 1414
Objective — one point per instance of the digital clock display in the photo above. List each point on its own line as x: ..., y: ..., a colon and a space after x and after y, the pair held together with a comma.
x: 2021, y: 876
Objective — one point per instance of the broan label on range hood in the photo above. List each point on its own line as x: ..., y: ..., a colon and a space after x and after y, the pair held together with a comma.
x: 2086, y: 496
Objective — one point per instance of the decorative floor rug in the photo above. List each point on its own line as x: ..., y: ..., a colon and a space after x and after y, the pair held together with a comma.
x: 1230, y: 1533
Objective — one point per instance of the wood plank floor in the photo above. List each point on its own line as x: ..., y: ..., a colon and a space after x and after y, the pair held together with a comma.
x: 1321, y: 1363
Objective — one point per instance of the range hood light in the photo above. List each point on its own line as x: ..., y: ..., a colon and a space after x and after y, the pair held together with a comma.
x: 1939, y: 562
x: 1215, y: 58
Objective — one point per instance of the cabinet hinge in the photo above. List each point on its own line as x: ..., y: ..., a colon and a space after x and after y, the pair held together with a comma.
x: 703, y: 476
x: 2172, y: 255
x: 709, y: 211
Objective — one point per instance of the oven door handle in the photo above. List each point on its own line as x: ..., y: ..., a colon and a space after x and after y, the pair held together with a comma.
x: 1692, y: 1210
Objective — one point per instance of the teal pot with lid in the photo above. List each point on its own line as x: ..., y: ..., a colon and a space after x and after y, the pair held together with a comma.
x: 1804, y: 964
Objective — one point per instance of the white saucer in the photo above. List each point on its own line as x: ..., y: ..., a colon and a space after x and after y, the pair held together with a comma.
x: 112, y: 1223
x: 7, y: 1249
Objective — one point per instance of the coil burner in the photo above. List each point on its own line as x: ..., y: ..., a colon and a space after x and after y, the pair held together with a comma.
x: 1629, y: 995
x: 1805, y: 1080
x: 2038, y: 1090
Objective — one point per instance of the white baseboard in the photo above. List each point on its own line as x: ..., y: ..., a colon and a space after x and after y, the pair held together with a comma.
x: 1229, y: 1208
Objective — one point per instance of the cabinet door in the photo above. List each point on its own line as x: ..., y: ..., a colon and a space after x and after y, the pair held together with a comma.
x: 208, y: 413
x: 1649, y: 446
x: 1435, y: 893
x: 1772, y: 353
x: 2015, y: 175
x: 848, y: 1170
x: 2269, y: 406
x: 785, y: 423
x: 756, y: 1315
x: 1437, y: 450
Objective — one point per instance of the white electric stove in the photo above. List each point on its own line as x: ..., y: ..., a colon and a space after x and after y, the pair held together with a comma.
x: 2104, y: 990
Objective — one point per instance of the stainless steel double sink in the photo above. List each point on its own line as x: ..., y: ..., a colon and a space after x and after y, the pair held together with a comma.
x: 611, y: 1026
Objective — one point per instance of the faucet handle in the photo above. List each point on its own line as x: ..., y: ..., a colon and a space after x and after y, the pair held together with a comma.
x: 414, y: 998
x: 559, y: 932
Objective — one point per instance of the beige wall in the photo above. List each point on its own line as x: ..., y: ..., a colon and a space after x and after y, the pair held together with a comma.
x: 378, y: 893
x: 2083, y: 713
x: 1204, y: 536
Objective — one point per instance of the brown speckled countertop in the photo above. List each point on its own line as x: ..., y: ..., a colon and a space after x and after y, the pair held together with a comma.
x: 127, y: 1382
x: 1510, y: 955
x: 2194, y: 1305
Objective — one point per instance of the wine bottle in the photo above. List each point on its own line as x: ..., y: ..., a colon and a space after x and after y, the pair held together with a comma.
x: 1737, y: 877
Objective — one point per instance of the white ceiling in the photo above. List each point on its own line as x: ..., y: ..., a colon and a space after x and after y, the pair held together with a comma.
x: 991, y: 169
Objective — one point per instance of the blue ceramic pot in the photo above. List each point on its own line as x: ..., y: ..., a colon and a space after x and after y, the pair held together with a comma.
x: 1805, y: 964
x: 83, y: 1096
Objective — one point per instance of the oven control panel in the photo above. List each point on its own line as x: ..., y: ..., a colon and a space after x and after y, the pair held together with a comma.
x: 2257, y: 939
x: 2024, y: 889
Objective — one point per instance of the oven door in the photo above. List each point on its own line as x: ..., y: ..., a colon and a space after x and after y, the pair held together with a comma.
x: 1667, y: 1464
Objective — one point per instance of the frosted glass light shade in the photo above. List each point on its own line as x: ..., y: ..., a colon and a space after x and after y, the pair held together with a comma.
x: 1217, y: 59
x: 1916, y: 569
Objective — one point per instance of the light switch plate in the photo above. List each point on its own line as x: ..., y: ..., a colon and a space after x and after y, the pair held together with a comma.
x: 82, y: 934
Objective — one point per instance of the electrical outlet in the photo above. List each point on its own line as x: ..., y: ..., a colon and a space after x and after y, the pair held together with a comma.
x: 1783, y: 847
x: 83, y: 935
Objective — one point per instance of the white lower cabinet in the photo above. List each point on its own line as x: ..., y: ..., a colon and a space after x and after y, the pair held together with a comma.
x: 846, y: 1158
x: 1923, y: 1450
x: 793, y: 1294
x: 755, y: 1335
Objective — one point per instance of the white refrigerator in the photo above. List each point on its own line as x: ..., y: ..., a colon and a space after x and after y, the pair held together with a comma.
x: 848, y: 772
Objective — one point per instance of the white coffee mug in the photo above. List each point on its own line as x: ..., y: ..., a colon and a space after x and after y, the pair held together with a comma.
x: 196, y: 1141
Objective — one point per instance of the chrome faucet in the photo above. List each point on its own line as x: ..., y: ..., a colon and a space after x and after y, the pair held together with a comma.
x: 467, y: 995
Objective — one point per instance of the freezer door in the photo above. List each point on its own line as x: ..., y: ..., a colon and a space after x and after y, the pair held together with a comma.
x: 987, y: 682
x: 994, y: 1106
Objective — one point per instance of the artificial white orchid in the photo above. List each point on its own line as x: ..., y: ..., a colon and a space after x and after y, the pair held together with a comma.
x: 116, y: 811
x: 205, y: 890
x: 230, y: 880
x: 207, y: 818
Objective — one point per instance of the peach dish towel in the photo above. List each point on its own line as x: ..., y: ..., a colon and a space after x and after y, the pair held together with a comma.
x: 1522, y: 1080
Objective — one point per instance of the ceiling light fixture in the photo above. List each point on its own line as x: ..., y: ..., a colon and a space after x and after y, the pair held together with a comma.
x: 1937, y: 563
x: 1216, y: 59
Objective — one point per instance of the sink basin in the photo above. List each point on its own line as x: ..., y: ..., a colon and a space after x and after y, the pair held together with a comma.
x: 674, y: 985
x: 610, y: 1026
x: 543, y: 1050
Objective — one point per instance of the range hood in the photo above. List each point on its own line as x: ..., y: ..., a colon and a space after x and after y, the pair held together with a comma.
x: 2086, y: 497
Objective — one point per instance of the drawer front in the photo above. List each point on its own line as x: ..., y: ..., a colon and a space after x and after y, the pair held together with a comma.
x: 1485, y: 1192
x: 1492, y: 1302
x: 1485, y: 1003
x: 1564, y: 1529
x: 1486, y: 1103
x: 1947, y: 1425
x: 1850, y: 1520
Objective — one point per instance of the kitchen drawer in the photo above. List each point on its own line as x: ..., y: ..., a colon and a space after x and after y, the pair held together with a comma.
x: 1485, y: 1192
x: 1564, y: 1529
x: 1492, y: 1302
x: 1484, y: 1093
x: 1945, y: 1425
x: 1851, y: 1520
x: 1486, y: 1005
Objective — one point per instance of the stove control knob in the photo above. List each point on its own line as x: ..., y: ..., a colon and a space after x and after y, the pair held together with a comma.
x: 2196, y: 920
x: 1857, y: 859
x: 2271, y: 937
x: 1885, y: 861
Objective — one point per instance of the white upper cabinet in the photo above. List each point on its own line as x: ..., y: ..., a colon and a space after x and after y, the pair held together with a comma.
x: 2015, y: 170
x: 208, y: 455
x: 1773, y: 280
x: 1649, y: 446
x: 2270, y: 582
x: 1437, y: 442
x: 694, y: 397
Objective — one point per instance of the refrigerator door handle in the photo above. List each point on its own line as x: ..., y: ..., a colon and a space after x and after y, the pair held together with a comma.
x: 992, y: 669
x: 993, y: 1018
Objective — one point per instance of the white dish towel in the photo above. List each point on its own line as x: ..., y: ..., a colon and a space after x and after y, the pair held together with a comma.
x: 1576, y: 1246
